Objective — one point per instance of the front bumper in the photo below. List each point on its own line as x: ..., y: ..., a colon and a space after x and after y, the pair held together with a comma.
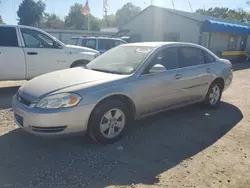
x: 228, y: 81
x: 51, y: 121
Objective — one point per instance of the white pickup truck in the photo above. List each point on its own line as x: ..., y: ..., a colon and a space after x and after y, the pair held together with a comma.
x: 26, y: 52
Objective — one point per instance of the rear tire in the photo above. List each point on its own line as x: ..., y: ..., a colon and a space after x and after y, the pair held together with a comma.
x: 109, y: 121
x: 79, y: 64
x: 213, y: 96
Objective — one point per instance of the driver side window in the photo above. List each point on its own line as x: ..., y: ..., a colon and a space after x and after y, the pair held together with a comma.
x: 35, y: 39
x: 168, y: 57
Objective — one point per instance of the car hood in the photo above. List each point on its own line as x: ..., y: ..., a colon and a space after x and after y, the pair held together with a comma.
x: 49, y: 83
x: 81, y: 49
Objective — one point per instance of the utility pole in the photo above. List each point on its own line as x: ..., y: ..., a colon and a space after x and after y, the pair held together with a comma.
x: 190, y: 6
x: 105, y: 9
x: 173, y: 4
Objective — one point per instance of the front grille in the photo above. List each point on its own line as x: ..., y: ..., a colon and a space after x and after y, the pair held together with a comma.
x: 23, y: 101
x: 19, y: 119
x: 48, y: 129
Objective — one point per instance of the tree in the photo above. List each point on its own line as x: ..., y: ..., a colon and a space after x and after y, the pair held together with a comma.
x: 111, y: 20
x: 1, y: 20
x: 95, y: 23
x: 127, y: 12
x: 52, y: 21
x: 30, y: 12
x: 75, y: 19
x: 220, y: 12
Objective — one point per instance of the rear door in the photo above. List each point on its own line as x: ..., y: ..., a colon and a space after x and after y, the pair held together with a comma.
x: 210, y: 67
x: 195, y: 74
x: 12, y: 58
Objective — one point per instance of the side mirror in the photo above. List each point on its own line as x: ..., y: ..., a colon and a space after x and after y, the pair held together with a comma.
x: 158, y: 68
x: 56, y: 45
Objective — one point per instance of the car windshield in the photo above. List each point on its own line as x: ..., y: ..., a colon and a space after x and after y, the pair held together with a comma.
x: 120, y: 60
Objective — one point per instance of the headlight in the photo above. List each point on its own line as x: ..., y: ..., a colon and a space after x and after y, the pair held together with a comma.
x: 59, y: 101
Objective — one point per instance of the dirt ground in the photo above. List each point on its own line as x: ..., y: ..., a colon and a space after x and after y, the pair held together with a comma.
x: 188, y: 147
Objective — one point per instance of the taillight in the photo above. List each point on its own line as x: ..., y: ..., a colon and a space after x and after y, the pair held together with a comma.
x: 231, y: 67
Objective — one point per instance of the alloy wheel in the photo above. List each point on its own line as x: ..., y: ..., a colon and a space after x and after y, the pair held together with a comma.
x: 214, y: 95
x: 112, y: 123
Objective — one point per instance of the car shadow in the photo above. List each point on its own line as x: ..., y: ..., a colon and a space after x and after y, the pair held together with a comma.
x: 241, y: 66
x: 152, y: 146
x: 6, y: 95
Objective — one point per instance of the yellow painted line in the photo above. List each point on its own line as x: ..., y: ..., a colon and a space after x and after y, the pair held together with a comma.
x: 233, y: 53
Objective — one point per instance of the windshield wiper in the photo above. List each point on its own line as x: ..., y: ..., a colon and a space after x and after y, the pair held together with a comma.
x: 106, y: 71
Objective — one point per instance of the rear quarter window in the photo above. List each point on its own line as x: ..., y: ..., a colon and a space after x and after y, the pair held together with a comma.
x: 118, y: 43
x: 208, y: 57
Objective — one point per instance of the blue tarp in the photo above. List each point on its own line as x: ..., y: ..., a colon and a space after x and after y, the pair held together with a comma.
x: 223, y: 27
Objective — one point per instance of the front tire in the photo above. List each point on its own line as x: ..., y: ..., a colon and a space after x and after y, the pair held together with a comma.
x: 213, y: 96
x: 109, y: 121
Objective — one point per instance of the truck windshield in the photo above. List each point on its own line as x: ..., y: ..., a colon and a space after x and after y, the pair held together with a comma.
x: 121, y: 59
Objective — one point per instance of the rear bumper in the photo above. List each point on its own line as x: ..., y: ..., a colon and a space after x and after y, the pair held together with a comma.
x: 52, y: 121
x: 228, y: 81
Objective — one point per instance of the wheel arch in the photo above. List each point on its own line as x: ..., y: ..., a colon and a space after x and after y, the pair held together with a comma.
x: 220, y: 81
x: 121, y: 97
x: 79, y: 61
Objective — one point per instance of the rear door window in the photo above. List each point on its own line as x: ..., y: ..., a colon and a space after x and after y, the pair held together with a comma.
x: 89, y: 43
x: 8, y: 37
x: 192, y: 56
x: 105, y: 44
x: 118, y: 43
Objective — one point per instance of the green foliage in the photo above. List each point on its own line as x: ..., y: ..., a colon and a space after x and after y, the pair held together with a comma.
x: 52, y: 21
x: 1, y: 20
x: 111, y: 20
x: 75, y: 19
x: 220, y: 12
x: 127, y: 12
x: 94, y: 23
x: 30, y: 12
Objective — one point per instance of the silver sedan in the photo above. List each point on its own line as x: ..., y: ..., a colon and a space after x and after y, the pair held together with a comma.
x: 126, y: 83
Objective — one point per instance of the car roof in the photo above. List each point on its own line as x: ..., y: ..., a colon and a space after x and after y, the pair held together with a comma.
x: 21, y: 26
x: 158, y: 44
x: 101, y: 38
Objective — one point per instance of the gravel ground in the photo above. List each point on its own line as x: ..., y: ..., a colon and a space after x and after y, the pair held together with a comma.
x: 188, y: 147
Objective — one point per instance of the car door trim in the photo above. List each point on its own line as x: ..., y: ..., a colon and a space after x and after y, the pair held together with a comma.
x: 194, y: 86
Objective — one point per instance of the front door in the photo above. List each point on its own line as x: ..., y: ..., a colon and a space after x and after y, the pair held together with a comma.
x: 41, y: 54
x: 155, y: 92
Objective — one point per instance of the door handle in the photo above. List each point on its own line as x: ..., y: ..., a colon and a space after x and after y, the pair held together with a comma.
x: 178, y: 76
x: 208, y: 70
x: 32, y: 53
